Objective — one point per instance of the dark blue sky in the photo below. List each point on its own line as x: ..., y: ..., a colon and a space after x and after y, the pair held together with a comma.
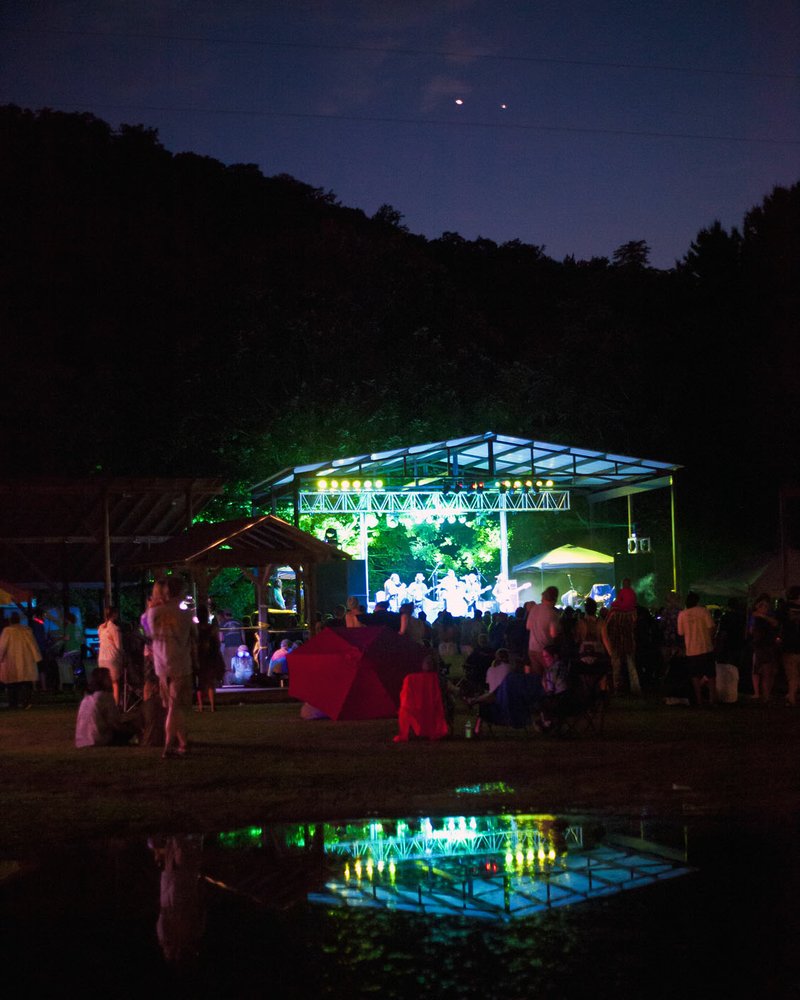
x: 360, y: 98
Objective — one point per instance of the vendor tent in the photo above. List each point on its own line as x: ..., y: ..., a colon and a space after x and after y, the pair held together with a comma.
x: 353, y: 673
x: 767, y: 574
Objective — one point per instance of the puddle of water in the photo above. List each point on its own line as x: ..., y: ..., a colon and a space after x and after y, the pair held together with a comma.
x: 491, y: 906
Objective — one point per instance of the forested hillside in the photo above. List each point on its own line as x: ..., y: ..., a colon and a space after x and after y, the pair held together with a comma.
x: 165, y: 313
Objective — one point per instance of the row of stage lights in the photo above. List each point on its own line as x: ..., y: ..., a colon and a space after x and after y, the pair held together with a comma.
x: 348, y: 485
x: 504, y: 486
x: 366, y: 867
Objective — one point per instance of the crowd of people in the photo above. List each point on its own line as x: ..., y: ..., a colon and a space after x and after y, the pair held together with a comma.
x: 178, y: 653
x: 678, y: 649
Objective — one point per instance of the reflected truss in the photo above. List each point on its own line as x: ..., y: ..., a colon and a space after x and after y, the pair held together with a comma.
x: 428, y: 844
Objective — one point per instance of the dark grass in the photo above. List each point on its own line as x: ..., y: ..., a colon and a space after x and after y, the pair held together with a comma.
x: 256, y: 763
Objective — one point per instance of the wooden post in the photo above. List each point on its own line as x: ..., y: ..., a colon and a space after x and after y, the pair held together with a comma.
x: 107, y: 592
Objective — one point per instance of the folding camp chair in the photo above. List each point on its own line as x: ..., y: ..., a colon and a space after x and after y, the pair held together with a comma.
x: 516, y: 702
x: 583, y: 709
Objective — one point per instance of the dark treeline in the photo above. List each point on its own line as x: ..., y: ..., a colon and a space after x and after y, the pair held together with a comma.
x: 168, y: 314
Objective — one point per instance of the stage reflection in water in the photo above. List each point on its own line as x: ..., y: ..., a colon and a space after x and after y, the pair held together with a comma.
x: 490, y: 867
x: 487, y: 905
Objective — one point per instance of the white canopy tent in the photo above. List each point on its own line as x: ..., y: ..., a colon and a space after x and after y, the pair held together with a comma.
x: 579, y: 567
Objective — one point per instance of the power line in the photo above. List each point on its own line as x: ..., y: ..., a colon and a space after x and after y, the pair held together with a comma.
x: 392, y: 50
x: 389, y: 120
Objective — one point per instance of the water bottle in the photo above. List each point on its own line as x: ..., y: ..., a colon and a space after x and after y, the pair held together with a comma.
x: 468, y: 730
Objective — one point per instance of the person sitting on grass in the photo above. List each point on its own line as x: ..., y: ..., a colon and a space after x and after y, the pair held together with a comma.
x: 99, y: 721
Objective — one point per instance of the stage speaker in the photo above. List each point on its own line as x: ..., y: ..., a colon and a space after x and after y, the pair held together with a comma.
x: 337, y: 580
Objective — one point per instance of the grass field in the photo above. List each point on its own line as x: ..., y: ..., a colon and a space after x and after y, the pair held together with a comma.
x: 256, y: 763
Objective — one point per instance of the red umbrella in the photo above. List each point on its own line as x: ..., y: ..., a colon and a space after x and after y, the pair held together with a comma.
x: 353, y: 673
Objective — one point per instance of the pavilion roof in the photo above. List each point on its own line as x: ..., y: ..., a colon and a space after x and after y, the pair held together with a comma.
x: 52, y: 529
x: 247, y: 541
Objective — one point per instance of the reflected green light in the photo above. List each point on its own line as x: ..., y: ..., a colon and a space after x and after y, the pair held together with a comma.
x: 488, y: 788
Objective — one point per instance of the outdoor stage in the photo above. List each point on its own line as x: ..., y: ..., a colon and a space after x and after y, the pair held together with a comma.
x: 462, y: 481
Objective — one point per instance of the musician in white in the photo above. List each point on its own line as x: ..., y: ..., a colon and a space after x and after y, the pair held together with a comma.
x: 417, y: 591
x: 395, y: 592
x: 452, y: 591
x: 473, y: 591
x: 506, y: 593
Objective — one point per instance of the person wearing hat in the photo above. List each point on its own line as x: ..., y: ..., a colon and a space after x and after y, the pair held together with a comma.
x: 242, y: 665
x: 231, y: 637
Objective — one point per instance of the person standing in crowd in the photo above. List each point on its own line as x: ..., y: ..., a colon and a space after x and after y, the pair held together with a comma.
x: 231, y: 637
x: 730, y: 643
x: 543, y: 625
x: 411, y: 626
x: 37, y: 626
x: 210, y: 664
x: 174, y: 645
x: 71, y: 649
x: 697, y: 627
x: 626, y: 597
x: 763, y: 632
x: 789, y: 633
x: 278, y: 663
x: 153, y: 713
x: 621, y: 638
x: 111, y: 655
x: 668, y: 629
x: 352, y: 618
x: 19, y: 656
x: 590, y: 638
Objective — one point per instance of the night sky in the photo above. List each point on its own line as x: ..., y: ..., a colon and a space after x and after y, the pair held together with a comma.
x: 582, y: 126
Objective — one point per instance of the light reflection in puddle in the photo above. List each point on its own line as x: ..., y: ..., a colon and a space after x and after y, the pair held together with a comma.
x: 500, y: 905
x: 491, y: 867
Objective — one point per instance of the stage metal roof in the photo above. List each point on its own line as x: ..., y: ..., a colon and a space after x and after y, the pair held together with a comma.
x: 487, y: 457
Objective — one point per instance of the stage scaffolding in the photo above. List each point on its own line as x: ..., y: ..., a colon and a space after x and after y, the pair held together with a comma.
x: 441, y: 505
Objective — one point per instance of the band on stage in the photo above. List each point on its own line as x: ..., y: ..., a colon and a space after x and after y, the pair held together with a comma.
x: 459, y: 596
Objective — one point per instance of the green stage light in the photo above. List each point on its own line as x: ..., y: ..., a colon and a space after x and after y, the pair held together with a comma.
x: 322, y: 484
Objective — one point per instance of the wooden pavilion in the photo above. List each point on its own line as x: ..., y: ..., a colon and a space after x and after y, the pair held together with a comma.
x: 255, y: 545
